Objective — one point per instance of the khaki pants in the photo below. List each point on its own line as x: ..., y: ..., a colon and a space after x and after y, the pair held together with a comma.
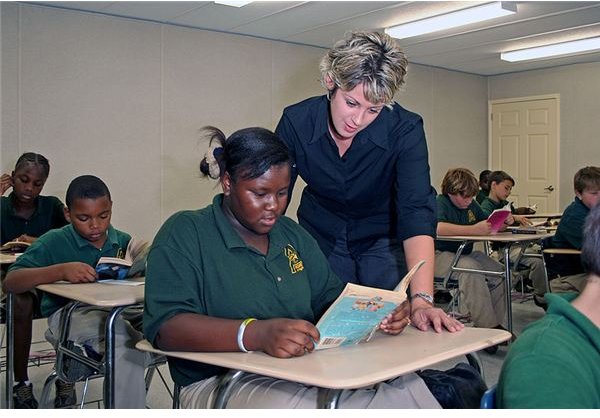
x: 484, y: 297
x: 575, y: 283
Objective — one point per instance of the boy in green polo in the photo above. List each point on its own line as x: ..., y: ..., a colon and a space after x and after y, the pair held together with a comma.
x: 459, y: 214
x: 71, y: 254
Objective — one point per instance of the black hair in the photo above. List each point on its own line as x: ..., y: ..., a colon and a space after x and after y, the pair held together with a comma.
x: 484, y: 180
x: 590, y: 251
x: 247, y: 153
x: 498, y: 177
x: 86, y: 187
x: 33, y: 158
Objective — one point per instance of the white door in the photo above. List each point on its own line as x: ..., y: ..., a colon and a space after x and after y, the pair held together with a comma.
x: 524, y: 143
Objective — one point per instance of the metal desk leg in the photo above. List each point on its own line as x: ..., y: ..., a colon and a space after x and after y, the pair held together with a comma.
x: 109, y: 358
x: 328, y: 398
x: 224, y: 387
x: 10, y: 350
x: 508, y: 285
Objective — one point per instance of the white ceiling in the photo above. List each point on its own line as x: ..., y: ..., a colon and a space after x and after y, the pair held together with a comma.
x: 473, y: 49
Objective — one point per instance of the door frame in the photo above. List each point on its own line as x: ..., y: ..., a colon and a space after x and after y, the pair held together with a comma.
x: 555, y: 96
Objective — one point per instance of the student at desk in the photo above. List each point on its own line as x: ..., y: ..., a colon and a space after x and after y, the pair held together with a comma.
x: 569, y: 233
x: 71, y: 254
x: 459, y: 214
x: 26, y: 215
x: 239, y: 276
x: 555, y: 362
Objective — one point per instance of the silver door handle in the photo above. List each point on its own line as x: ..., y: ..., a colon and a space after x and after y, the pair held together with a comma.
x: 549, y: 188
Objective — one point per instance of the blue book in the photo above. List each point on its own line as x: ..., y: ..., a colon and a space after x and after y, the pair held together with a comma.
x: 355, y: 315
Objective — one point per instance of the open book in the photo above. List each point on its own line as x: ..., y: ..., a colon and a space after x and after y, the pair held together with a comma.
x: 355, y: 315
x: 14, y: 246
x: 132, y: 265
x: 497, y: 218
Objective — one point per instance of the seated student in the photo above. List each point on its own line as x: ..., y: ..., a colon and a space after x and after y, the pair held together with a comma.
x: 71, y: 253
x: 569, y: 233
x: 25, y: 215
x: 501, y: 185
x: 484, y: 185
x: 555, y: 362
x: 458, y: 214
x: 215, y: 269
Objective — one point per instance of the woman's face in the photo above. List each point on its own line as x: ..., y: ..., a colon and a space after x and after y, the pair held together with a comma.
x: 256, y: 204
x: 350, y: 111
x: 28, y: 182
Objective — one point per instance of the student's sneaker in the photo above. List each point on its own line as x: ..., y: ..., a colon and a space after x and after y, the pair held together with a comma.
x: 65, y: 394
x: 23, y: 396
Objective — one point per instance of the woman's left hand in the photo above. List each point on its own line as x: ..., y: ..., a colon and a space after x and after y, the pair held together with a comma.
x: 423, y: 316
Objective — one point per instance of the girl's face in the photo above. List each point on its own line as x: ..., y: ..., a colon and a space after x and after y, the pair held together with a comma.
x: 256, y: 204
x: 28, y: 182
x: 502, y: 190
x: 350, y: 111
x: 460, y: 201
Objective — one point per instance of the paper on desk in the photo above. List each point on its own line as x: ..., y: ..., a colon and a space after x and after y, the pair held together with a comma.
x: 122, y: 282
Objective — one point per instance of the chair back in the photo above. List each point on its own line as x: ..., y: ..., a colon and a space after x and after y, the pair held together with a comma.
x: 488, y: 400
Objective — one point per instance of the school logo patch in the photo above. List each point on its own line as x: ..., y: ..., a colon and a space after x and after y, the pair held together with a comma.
x: 296, y: 264
x: 472, y: 217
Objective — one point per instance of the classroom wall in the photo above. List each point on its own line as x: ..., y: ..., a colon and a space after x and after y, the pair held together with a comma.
x: 124, y: 100
x: 579, y: 89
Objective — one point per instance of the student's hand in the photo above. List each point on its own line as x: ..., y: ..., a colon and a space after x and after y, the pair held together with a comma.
x: 522, y: 220
x: 423, y: 316
x: 395, y: 322
x: 510, y: 220
x: 281, y: 337
x: 26, y: 238
x: 5, y: 183
x: 482, y: 228
x: 77, y: 272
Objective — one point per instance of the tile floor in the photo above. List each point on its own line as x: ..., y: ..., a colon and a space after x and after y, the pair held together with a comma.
x: 524, y: 312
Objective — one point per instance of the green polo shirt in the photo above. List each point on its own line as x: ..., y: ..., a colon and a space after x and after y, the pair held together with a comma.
x: 447, y: 212
x: 481, y: 195
x: 555, y: 362
x: 48, y: 215
x: 65, y: 245
x: 569, y: 233
x: 199, y: 264
x: 488, y: 205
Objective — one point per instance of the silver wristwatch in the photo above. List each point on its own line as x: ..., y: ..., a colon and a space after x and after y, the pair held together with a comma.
x: 425, y: 296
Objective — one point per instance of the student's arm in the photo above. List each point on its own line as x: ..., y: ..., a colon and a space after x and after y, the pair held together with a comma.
x: 277, y: 337
x: 24, y: 279
x: 480, y: 228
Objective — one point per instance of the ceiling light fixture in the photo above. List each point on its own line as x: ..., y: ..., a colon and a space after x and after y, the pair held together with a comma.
x: 233, y: 3
x: 462, y: 17
x: 580, y: 46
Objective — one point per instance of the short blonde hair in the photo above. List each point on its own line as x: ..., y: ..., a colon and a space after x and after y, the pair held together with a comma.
x: 460, y: 181
x: 372, y: 58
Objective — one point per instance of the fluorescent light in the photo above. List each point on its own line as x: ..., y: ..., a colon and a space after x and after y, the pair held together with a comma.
x: 453, y: 19
x: 233, y: 3
x: 548, y: 51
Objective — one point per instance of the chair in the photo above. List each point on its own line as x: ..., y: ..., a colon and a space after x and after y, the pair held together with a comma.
x: 488, y: 400
x: 560, y: 262
x: 449, y: 283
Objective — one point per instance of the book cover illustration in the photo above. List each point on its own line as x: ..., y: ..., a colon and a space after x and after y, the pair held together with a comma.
x: 111, y: 269
x: 355, y: 315
x: 497, y: 218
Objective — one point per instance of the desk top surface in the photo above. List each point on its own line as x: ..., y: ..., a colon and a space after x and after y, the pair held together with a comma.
x: 382, y: 358
x: 97, y: 294
x: 549, y: 215
x: 499, y: 237
x: 7, y: 258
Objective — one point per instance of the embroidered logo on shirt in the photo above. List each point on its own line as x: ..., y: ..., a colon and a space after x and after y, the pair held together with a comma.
x: 471, y: 216
x: 296, y: 264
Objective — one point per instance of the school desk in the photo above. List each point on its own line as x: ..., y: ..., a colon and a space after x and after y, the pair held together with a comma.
x: 508, y: 239
x: 116, y: 297
x: 332, y: 370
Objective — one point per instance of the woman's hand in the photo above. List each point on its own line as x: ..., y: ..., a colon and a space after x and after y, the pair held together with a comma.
x: 395, y: 322
x: 423, y: 315
x: 5, y: 183
x: 280, y: 337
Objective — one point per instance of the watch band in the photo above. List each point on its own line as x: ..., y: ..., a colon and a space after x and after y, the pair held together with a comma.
x: 425, y: 296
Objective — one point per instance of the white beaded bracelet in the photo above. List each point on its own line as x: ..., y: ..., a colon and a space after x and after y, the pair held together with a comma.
x: 240, y: 334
